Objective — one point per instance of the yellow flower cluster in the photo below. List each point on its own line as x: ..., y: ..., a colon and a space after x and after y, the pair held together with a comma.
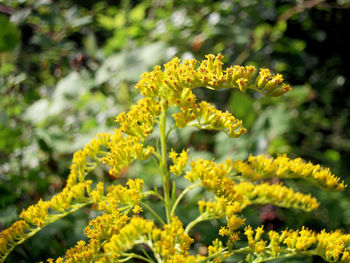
x: 179, y: 161
x: 214, y: 251
x: 214, y: 178
x: 87, y: 159
x: 123, y: 151
x: 139, y: 121
x: 334, y: 246
x: 11, y: 235
x: 275, y: 194
x: 98, y: 230
x: 72, y: 197
x: 258, y: 167
x: 330, y: 246
x: 128, y: 196
x: 137, y: 231
x: 41, y: 214
x: 174, y: 85
x: 210, y: 74
x: 219, y: 208
x: 170, y: 244
x: 173, y: 242
x: 110, y: 223
x: 206, y: 116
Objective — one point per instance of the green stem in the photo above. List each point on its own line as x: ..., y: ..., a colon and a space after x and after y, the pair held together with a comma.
x: 153, y: 212
x: 216, y: 254
x: 163, y: 163
x: 185, y: 191
x: 133, y: 255
x: 151, y: 192
x: 199, y: 219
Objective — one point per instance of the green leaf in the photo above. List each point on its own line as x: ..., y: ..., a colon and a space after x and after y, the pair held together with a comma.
x: 9, y: 34
x: 137, y: 14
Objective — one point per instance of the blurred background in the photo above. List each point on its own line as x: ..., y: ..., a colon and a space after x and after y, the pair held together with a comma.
x: 67, y: 68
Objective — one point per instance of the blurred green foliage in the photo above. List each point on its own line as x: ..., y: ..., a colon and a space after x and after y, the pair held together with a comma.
x: 68, y: 67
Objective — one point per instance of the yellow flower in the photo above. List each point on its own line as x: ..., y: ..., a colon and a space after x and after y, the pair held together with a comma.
x: 139, y: 121
x: 275, y: 194
x: 138, y: 229
x: 179, y: 161
x: 262, y: 166
x: 206, y: 116
x: 214, y: 178
x: 173, y: 241
x: 125, y: 150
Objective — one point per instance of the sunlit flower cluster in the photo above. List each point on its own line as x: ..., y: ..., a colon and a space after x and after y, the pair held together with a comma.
x: 206, y: 116
x: 173, y: 241
x: 262, y: 166
x: 275, y: 194
x: 87, y: 159
x: 332, y: 246
x: 174, y: 85
x: 214, y: 178
x: 137, y: 231
x: 113, y: 234
x: 179, y: 161
x: 139, y: 121
x: 209, y: 73
x: 123, y: 151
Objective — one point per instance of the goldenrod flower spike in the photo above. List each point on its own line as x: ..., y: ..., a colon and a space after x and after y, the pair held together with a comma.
x: 332, y: 246
x: 214, y: 178
x: 262, y: 166
x: 173, y: 241
x: 177, y: 77
x: 275, y: 194
x: 125, y: 150
x: 43, y: 213
x: 139, y: 121
x: 110, y: 223
x: 206, y: 116
x: 112, y: 234
x: 138, y: 230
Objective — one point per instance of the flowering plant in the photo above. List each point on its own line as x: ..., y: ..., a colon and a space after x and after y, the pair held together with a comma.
x: 234, y: 184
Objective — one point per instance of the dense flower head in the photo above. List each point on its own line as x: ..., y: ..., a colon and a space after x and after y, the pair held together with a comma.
x: 138, y: 230
x: 262, y: 166
x: 129, y: 196
x: 10, y: 235
x: 125, y: 150
x: 173, y: 241
x: 209, y: 73
x: 179, y: 161
x: 214, y: 178
x: 87, y: 159
x: 275, y: 194
x: 114, y: 232
x: 206, y: 116
x: 330, y: 246
x: 139, y: 121
x: 173, y: 86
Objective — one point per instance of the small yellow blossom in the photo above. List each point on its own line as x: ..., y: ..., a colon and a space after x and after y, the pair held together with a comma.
x: 275, y: 194
x: 139, y: 121
x: 262, y: 166
x: 206, y: 116
x: 137, y: 229
x: 173, y: 241
x: 179, y: 161
x: 214, y: 178
x: 125, y: 150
